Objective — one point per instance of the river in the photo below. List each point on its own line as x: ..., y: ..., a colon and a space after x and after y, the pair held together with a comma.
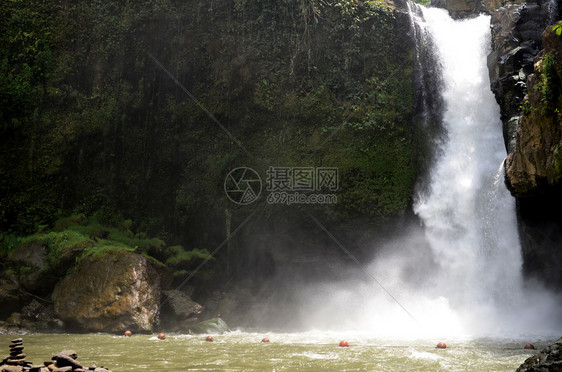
x: 311, y: 351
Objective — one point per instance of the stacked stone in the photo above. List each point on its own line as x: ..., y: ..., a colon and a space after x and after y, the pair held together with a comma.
x: 65, y: 361
x: 16, y: 359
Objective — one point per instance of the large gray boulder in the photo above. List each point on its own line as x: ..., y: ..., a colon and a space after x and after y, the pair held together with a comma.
x: 178, y: 310
x: 120, y: 291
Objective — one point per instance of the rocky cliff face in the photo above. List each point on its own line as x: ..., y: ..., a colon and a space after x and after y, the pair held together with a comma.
x: 531, y: 127
x: 516, y: 40
x: 534, y: 165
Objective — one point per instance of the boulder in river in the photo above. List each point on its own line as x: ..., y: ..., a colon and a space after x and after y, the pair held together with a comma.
x: 110, y: 294
x: 178, y: 310
x: 548, y: 360
x: 214, y: 325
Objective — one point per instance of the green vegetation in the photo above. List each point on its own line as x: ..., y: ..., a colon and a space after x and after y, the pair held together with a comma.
x: 558, y: 28
x: 550, y: 83
x: 84, y: 237
x: 92, y: 126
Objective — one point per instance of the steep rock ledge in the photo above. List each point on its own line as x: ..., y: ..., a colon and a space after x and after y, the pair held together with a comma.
x: 534, y: 167
x: 516, y: 40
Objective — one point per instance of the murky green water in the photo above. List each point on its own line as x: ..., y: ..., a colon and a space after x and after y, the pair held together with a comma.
x: 315, y: 351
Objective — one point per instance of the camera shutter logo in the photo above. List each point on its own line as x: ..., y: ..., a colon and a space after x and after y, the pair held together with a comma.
x: 243, y: 185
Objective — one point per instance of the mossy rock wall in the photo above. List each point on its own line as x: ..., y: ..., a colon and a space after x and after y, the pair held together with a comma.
x: 99, y: 115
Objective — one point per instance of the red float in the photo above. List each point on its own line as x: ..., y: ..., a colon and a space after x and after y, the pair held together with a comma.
x: 265, y: 340
x: 441, y: 345
x: 529, y: 347
x: 344, y: 343
x: 210, y: 339
x: 161, y: 336
x: 128, y: 333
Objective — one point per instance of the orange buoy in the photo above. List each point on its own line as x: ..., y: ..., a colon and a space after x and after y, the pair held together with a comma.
x: 441, y: 345
x: 529, y: 347
x: 128, y: 333
x: 161, y: 336
x: 344, y: 343
x: 210, y: 339
x: 265, y: 339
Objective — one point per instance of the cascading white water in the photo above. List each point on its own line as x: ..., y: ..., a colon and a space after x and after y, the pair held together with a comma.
x: 468, y: 215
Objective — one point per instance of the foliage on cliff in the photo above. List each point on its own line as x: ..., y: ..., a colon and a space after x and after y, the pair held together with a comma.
x: 39, y: 260
x: 91, y: 119
x: 535, y: 167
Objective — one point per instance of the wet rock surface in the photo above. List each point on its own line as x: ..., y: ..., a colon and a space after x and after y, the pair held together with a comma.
x: 215, y: 325
x: 548, y: 360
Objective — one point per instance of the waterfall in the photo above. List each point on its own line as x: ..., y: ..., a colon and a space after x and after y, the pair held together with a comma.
x: 459, y: 271
x: 466, y: 209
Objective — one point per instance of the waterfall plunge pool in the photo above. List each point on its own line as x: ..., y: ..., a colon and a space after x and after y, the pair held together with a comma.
x: 312, y: 351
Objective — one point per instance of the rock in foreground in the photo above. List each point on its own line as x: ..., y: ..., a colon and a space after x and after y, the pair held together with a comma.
x: 64, y: 361
x: 548, y: 360
x: 110, y: 294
